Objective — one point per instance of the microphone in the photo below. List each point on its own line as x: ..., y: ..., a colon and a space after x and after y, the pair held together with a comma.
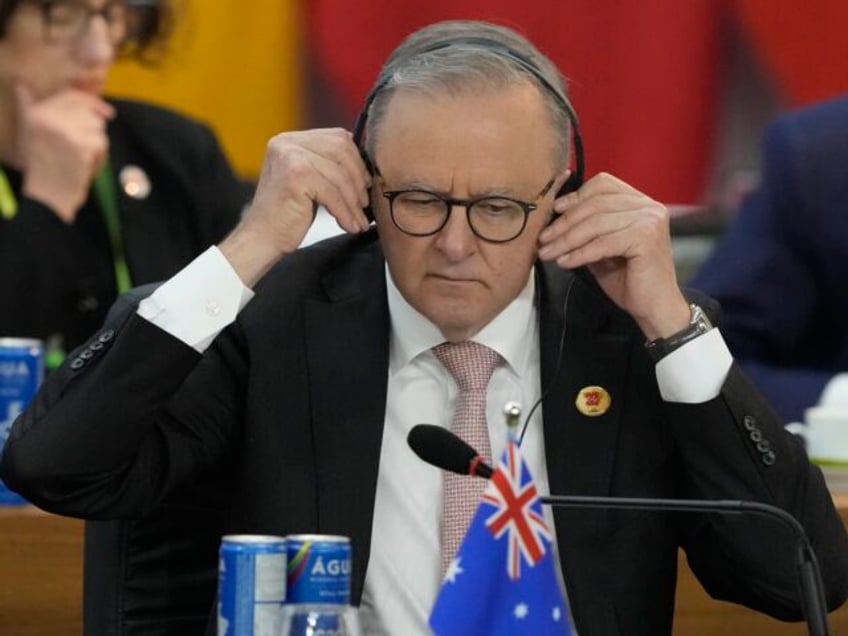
x: 441, y: 448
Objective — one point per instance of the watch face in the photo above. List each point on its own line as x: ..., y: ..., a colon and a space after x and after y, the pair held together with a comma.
x: 700, y: 319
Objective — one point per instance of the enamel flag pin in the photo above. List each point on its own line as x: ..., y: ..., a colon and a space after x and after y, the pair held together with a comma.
x: 593, y: 401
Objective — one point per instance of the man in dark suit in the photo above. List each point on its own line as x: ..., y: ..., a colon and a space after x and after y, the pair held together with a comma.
x: 303, y: 395
x: 779, y: 269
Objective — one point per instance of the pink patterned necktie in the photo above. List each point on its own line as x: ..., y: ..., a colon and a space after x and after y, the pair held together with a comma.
x: 471, y: 365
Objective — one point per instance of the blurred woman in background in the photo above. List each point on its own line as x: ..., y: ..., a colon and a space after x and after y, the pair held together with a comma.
x: 96, y: 195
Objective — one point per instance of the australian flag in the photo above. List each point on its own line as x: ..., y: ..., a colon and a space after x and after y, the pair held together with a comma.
x: 503, y: 580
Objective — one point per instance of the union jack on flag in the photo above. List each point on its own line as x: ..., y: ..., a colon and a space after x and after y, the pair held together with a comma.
x: 503, y: 580
x: 517, y: 512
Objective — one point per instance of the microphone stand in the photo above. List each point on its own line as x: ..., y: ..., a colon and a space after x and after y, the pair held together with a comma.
x: 809, y: 576
x: 441, y: 448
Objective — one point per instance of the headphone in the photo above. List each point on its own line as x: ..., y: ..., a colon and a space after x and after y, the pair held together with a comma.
x: 575, y: 179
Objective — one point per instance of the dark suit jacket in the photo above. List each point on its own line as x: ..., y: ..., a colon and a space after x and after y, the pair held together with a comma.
x: 290, y: 403
x: 779, y: 270
x: 156, y: 575
x: 59, y: 279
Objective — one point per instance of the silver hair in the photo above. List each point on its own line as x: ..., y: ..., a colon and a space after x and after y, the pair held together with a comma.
x: 464, y: 65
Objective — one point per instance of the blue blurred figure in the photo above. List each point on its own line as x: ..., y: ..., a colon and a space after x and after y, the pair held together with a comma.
x: 779, y: 270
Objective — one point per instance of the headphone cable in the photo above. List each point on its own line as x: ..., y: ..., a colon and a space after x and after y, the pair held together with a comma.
x: 560, y: 351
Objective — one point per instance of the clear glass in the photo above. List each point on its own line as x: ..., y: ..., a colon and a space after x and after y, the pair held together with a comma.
x: 320, y: 620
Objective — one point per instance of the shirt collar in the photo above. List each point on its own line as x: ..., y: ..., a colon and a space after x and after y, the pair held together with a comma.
x: 413, y: 334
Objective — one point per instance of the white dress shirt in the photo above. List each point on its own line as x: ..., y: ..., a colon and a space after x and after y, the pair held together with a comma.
x: 403, y: 571
x: 402, y: 577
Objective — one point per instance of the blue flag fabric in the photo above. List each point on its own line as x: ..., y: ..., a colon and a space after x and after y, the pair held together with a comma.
x: 503, y: 580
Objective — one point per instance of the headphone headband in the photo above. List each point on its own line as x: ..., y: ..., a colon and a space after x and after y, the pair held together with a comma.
x: 575, y: 179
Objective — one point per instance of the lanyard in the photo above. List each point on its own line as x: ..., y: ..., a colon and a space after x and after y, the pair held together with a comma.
x: 107, y: 198
x: 8, y: 202
x: 104, y: 189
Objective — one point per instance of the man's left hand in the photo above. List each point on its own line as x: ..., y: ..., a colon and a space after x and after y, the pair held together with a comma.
x: 622, y: 236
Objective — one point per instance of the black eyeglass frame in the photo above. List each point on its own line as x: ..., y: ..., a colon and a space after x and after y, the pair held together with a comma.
x: 45, y: 6
x: 451, y: 202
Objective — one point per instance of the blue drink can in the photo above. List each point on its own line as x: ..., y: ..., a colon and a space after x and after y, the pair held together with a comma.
x: 318, y: 569
x: 21, y: 371
x: 251, y: 585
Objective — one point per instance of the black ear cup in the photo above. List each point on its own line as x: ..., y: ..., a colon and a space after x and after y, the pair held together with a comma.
x: 571, y: 184
x: 369, y: 212
x: 358, y: 133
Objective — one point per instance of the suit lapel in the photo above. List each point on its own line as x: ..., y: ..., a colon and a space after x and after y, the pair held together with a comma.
x: 580, y: 450
x: 347, y: 340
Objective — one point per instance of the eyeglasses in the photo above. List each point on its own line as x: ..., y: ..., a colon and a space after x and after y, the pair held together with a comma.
x: 66, y: 21
x: 493, y: 219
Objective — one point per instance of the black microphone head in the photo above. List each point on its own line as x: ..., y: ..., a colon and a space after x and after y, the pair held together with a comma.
x: 441, y: 448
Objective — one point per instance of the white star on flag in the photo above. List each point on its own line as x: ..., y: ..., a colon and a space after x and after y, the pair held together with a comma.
x: 507, y: 564
x: 453, y: 571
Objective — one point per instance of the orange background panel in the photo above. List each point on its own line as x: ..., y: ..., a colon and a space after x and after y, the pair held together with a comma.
x: 234, y: 64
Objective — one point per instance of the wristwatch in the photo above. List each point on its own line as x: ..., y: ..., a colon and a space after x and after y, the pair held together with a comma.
x: 698, y: 325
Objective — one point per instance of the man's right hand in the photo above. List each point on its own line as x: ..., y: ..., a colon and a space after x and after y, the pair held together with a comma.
x: 301, y: 171
x: 61, y: 144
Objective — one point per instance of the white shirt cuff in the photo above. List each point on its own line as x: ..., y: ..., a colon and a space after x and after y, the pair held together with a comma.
x: 695, y: 372
x: 199, y: 302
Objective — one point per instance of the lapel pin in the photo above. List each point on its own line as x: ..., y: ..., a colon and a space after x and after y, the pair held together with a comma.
x: 593, y: 401
x: 134, y: 182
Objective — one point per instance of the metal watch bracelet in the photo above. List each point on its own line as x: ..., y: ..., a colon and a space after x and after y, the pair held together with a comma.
x: 698, y: 325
